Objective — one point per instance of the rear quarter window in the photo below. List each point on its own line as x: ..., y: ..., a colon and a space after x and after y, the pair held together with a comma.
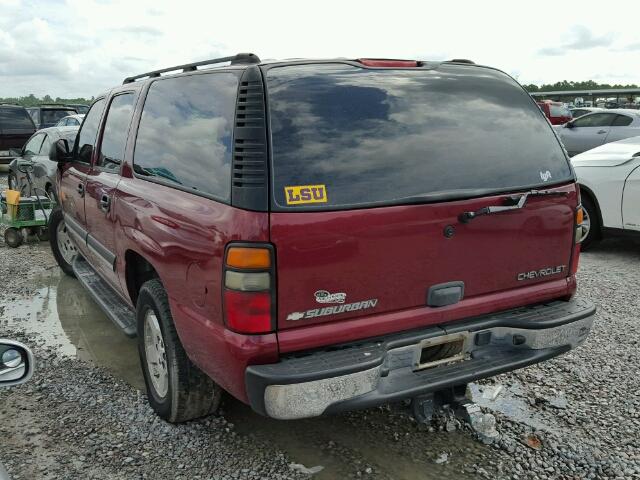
x: 185, y: 134
x: 373, y: 137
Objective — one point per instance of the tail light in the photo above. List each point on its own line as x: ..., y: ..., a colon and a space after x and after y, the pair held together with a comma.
x: 580, y: 233
x: 249, y: 288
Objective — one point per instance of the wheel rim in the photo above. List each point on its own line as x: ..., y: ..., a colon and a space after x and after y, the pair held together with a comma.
x: 65, y: 245
x: 155, y: 354
x: 586, y: 223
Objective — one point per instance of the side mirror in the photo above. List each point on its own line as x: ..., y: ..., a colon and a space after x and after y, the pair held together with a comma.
x: 59, y: 151
x: 16, y: 363
x: 569, y: 125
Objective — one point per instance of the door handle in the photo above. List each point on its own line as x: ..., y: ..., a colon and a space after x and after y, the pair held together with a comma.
x: 105, y: 203
x: 601, y: 132
x: 80, y: 189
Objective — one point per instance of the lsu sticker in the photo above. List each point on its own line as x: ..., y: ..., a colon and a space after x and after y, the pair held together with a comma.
x: 303, y: 194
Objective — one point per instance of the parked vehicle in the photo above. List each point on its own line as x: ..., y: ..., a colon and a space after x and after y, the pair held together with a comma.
x: 387, y: 244
x: 578, y: 112
x: 36, y: 151
x: 15, y: 128
x: 16, y: 367
x: 594, y: 129
x: 78, y: 107
x: 609, y: 178
x: 556, y: 112
x: 46, y: 116
x: 70, y: 121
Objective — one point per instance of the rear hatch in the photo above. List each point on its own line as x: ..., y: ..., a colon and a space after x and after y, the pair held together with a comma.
x: 372, y: 170
x: 16, y: 127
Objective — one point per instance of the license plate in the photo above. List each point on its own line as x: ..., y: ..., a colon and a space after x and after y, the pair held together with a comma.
x: 435, y: 351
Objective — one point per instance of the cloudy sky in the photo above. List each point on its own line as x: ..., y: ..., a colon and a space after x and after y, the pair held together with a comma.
x: 71, y: 48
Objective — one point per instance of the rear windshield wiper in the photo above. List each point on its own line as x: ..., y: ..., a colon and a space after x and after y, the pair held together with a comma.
x: 517, y: 202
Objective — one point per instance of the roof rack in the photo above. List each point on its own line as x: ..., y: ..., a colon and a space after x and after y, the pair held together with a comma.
x: 240, y: 58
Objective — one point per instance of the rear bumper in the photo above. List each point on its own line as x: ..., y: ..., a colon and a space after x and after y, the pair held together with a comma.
x: 381, y: 370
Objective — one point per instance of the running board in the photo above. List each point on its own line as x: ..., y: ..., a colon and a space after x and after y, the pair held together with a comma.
x: 104, y: 295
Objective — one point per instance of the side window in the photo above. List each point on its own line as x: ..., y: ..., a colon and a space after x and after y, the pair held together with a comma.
x: 46, y: 145
x: 595, y: 120
x: 186, y: 131
x: 72, y: 122
x: 33, y: 145
x: 622, y: 121
x: 116, y: 129
x: 88, y: 132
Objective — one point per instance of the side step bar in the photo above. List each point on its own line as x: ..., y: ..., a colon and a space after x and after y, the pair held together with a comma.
x: 110, y: 302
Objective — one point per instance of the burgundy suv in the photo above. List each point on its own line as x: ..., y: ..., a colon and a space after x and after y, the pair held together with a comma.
x: 315, y: 236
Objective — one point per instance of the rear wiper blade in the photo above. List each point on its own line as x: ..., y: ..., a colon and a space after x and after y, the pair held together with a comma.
x: 517, y: 202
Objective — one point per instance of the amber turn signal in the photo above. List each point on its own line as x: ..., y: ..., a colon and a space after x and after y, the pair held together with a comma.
x: 579, y: 216
x: 247, y: 257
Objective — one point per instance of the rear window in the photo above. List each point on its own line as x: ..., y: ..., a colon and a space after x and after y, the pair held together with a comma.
x: 347, y: 136
x: 52, y: 116
x: 559, y: 111
x: 17, y: 118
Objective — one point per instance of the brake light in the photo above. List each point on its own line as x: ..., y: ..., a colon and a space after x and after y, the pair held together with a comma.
x: 387, y: 63
x: 249, y: 289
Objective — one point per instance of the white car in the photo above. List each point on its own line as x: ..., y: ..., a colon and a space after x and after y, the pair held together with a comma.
x: 70, y: 121
x: 609, y: 178
x: 595, y: 129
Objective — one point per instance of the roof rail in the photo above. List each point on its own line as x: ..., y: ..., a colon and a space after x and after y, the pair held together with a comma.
x: 240, y: 58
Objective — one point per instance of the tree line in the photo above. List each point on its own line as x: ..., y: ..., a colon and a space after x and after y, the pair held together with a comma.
x: 32, y: 101
x: 567, y: 85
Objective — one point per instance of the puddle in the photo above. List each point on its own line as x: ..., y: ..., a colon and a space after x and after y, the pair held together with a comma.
x: 63, y: 315
x: 511, y: 404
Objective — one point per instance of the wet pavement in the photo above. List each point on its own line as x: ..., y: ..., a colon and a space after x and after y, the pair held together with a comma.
x: 385, y: 442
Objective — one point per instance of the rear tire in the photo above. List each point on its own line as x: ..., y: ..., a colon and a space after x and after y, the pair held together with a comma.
x: 13, y: 237
x: 62, y: 246
x: 591, y: 214
x: 178, y: 391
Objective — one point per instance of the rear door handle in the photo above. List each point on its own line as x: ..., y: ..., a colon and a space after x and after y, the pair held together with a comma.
x: 80, y: 189
x: 601, y: 132
x: 105, y: 203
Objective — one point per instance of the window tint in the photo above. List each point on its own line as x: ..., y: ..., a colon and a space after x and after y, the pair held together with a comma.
x: 380, y: 136
x: 33, y: 145
x: 622, y: 121
x: 88, y: 132
x: 186, y: 131
x: 17, y: 118
x: 116, y: 129
x: 46, y: 145
x: 595, y: 120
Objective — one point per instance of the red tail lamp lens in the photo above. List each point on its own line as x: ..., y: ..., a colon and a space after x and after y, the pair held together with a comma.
x: 373, y: 62
x: 248, y: 312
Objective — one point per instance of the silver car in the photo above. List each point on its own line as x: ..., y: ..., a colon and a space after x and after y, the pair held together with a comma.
x: 70, y: 120
x: 597, y: 128
x: 36, y: 152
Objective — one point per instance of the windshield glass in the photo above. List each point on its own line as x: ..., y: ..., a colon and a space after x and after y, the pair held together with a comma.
x: 370, y: 136
x: 52, y: 116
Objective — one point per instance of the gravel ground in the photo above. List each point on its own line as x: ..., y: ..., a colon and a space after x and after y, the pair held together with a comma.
x: 575, y: 417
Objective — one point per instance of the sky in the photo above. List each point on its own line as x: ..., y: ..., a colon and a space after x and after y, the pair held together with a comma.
x: 79, y: 48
